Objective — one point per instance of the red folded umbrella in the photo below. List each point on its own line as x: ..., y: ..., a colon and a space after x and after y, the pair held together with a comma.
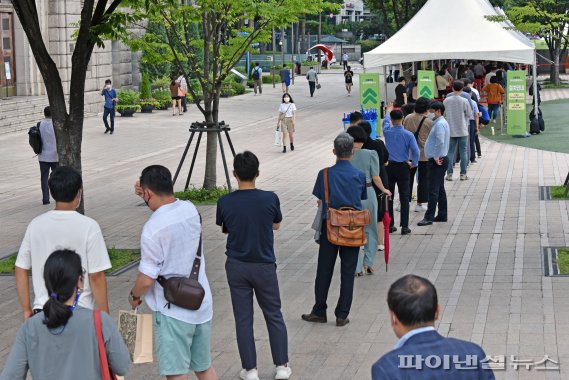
x: 386, y: 223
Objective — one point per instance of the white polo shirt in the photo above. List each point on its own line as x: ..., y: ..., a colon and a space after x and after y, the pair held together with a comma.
x: 57, y: 230
x: 168, y: 245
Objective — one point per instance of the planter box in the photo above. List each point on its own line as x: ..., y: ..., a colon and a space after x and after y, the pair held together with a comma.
x: 128, y: 112
x: 147, y: 108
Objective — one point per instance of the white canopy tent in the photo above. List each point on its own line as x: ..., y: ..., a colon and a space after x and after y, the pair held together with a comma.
x: 454, y: 29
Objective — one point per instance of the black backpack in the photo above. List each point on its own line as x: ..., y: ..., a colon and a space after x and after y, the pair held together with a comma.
x: 34, y: 138
x: 536, y: 126
x: 256, y: 73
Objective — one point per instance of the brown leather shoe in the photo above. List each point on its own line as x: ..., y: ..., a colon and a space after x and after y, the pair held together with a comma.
x: 314, y: 318
x: 342, y: 322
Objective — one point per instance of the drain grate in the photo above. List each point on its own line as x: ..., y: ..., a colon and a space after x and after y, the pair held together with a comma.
x: 550, y: 267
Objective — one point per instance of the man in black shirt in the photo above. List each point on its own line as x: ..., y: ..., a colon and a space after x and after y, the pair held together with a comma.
x: 400, y: 93
x: 249, y: 216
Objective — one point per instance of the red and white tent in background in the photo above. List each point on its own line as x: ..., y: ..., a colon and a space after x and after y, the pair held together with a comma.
x: 455, y: 29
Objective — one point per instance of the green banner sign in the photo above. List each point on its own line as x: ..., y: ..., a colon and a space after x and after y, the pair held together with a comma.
x: 426, y: 84
x: 516, y: 103
x: 369, y: 90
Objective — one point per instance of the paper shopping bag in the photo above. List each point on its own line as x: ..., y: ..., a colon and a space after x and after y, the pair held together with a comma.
x: 136, y: 330
x: 278, y: 138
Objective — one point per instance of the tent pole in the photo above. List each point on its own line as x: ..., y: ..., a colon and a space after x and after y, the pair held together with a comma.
x: 385, y: 83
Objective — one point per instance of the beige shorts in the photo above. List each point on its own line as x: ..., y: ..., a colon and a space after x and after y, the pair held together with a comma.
x: 287, y: 126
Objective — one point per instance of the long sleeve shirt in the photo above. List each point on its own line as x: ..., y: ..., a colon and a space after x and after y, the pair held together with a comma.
x: 437, y: 144
x: 399, y: 143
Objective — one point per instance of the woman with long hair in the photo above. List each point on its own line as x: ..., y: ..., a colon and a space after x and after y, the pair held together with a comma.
x: 61, y: 342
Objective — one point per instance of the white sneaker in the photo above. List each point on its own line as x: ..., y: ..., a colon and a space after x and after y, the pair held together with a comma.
x: 252, y: 374
x: 420, y: 208
x: 283, y: 373
x: 463, y: 177
x: 448, y: 177
x: 398, y: 208
x: 380, y: 247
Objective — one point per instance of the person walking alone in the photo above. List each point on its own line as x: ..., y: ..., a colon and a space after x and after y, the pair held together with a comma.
x: 250, y: 216
x: 285, y: 78
x: 312, y: 78
x: 48, y: 158
x: 257, y: 76
x: 287, y: 120
x: 348, y: 78
x: 109, y: 109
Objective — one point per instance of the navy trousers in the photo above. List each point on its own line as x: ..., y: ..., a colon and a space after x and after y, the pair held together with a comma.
x: 437, y: 192
x: 261, y: 279
x: 327, y: 254
x: 45, y: 168
x: 106, y: 113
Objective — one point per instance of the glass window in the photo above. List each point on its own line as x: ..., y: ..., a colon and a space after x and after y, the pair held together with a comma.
x: 6, y: 43
x: 6, y: 24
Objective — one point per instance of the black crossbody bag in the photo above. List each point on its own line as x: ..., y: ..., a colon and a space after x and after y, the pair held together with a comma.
x: 185, y: 292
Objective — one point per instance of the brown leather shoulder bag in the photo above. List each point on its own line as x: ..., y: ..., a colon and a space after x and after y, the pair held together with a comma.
x: 345, y: 226
x: 185, y: 292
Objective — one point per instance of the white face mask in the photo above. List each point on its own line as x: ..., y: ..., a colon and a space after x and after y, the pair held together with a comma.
x: 108, y: 87
x: 286, y: 99
x: 431, y: 115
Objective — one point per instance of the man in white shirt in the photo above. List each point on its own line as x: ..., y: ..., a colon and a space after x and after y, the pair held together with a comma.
x: 184, y: 88
x: 345, y: 58
x: 63, y: 228
x: 48, y: 158
x: 169, y: 243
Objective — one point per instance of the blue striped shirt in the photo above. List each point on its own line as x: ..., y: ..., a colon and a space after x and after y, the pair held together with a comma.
x: 399, y: 142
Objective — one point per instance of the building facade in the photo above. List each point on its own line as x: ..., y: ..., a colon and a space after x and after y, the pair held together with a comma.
x: 353, y: 11
x: 19, y: 74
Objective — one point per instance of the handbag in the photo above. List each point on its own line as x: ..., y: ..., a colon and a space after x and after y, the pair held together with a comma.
x: 106, y: 373
x: 137, y: 332
x: 185, y: 292
x: 318, y: 86
x: 345, y: 226
x: 278, y: 137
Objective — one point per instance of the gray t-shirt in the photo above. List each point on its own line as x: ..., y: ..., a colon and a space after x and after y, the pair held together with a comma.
x: 49, y: 144
x: 457, y: 114
x: 73, y: 354
x: 312, y: 76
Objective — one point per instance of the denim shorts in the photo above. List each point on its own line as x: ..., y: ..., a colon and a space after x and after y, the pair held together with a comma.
x: 181, y: 347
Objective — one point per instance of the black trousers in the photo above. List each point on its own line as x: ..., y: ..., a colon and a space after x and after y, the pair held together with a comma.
x: 45, y: 167
x: 422, y: 183
x: 184, y: 103
x: 477, y: 145
x: 244, y: 279
x: 106, y: 113
x: 472, y: 140
x: 398, y: 173
x: 327, y: 254
x: 437, y: 193
x: 312, y: 86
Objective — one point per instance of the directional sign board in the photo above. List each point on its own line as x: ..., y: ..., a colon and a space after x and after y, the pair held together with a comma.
x: 369, y: 90
x: 426, y: 84
x: 516, y: 102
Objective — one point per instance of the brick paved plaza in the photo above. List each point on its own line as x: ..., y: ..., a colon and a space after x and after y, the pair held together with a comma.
x: 486, y: 262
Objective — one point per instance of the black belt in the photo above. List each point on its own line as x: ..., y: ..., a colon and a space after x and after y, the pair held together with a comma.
x: 368, y: 184
x: 397, y: 163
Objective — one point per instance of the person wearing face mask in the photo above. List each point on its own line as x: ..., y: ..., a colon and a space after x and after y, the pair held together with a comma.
x: 61, y: 341
x: 109, y: 109
x: 287, y: 120
x: 169, y: 245
x: 63, y: 227
x: 420, y: 125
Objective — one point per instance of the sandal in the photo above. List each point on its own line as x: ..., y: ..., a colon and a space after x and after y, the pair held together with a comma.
x: 360, y: 274
x: 370, y: 270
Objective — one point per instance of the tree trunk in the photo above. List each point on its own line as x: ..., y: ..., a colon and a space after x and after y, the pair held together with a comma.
x: 554, y: 70
x: 210, y: 175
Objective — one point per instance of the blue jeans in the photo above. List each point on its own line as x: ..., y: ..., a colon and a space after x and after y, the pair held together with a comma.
x: 494, y: 111
x: 462, y: 143
x: 106, y: 113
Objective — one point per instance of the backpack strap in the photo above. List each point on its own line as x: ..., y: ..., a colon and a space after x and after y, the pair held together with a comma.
x: 103, y: 361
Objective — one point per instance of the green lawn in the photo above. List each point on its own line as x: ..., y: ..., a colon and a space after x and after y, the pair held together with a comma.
x: 558, y: 192
x: 563, y: 260
x: 556, y: 135
x: 119, y: 258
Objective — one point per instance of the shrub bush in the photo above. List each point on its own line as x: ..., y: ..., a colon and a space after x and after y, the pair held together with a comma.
x: 145, y: 91
x: 368, y: 45
x: 128, y: 97
x: 162, y: 82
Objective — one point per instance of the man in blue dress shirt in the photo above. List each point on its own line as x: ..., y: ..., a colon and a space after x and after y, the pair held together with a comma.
x: 346, y: 187
x: 400, y: 142
x: 421, y: 352
x: 109, y: 109
x: 436, y: 151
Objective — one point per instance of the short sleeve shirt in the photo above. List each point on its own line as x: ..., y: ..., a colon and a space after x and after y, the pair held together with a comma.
x: 347, y: 186
x: 288, y: 109
x: 248, y: 217
x: 400, y: 91
x: 49, y: 142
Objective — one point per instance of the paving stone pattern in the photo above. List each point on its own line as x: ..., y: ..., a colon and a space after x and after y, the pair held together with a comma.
x: 485, y: 262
